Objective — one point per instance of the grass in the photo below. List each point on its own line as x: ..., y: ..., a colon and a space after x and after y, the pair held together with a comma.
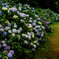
x: 50, y: 49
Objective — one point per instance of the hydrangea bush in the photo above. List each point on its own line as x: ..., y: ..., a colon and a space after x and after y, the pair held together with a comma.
x: 22, y: 28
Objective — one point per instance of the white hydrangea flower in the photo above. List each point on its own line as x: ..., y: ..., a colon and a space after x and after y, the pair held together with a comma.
x: 34, y: 28
x: 43, y: 27
x: 18, y: 36
x: 13, y: 34
x: 23, y: 34
x: 18, y: 31
x: 38, y: 44
x: 30, y: 26
x: 29, y: 33
x: 35, y: 41
x: 39, y: 23
x: 15, y: 16
x: 32, y: 34
x: 7, y: 28
x: 9, y: 31
x: 26, y: 24
x: 1, y: 30
x: 22, y: 15
x: 31, y: 44
x: 18, y: 12
x: 7, y: 6
x: 27, y: 15
x: 26, y: 42
x: 33, y: 49
x: 20, y: 9
x: 9, y: 24
x: 13, y: 9
x: 8, y: 11
x: 34, y: 46
x: 4, y: 8
x: 14, y: 30
x: 15, y: 26
x: 20, y: 4
x: 26, y: 36
x: 22, y: 20
x: 29, y: 37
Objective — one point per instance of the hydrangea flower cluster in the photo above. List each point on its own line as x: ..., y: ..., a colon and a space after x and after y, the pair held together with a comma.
x: 22, y: 28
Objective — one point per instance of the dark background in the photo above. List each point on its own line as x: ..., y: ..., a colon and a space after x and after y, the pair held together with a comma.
x: 51, y: 4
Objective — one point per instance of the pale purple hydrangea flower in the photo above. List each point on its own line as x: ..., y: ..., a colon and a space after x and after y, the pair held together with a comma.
x: 5, y: 39
x: 0, y: 45
x: 36, y: 15
x: 12, y: 52
x: 10, y: 55
x: 5, y: 51
x: 7, y: 47
x: 3, y: 42
x: 34, y: 21
x: 30, y: 21
x: 4, y: 45
x: 0, y: 56
x: 42, y: 35
x: 31, y: 18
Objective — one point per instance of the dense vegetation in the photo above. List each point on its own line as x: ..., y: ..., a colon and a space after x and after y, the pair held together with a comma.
x: 52, y: 4
x: 23, y: 29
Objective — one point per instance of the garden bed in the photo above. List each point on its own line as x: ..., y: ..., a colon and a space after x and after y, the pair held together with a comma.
x: 23, y: 29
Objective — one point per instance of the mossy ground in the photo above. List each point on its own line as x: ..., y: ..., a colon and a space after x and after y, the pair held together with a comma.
x: 50, y: 50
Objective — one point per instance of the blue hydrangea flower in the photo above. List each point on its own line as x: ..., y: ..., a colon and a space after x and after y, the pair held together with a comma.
x: 34, y: 24
x: 34, y: 21
x: 11, y: 3
x: 6, y: 58
x: 4, y: 33
x: 3, y: 4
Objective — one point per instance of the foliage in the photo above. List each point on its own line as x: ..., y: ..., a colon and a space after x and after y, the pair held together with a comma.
x: 52, y: 4
x: 22, y: 29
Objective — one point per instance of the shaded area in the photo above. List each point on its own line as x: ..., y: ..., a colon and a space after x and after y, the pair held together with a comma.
x: 51, y: 4
x: 50, y: 49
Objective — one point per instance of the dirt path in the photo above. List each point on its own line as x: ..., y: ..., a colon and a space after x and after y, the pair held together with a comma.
x: 54, y: 40
x: 53, y: 50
